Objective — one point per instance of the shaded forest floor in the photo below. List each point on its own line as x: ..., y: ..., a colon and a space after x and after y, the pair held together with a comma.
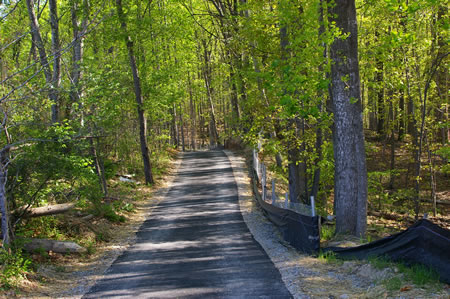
x: 71, y: 275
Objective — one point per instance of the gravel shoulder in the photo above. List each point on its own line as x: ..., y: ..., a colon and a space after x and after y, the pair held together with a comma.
x: 309, y: 277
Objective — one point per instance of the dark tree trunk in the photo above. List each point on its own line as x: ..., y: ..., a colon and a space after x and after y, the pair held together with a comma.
x: 380, y: 99
x: 214, y: 136
x: 52, y: 80
x: 138, y: 96
x: 348, y: 137
x: 392, y: 140
x: 99, y: 167
x: 234, y: 93
x: 56, y: 78
x: 174, y: 127
x: 77, y: 54
x: 193, y: 116
x: 3, y: 201
x: 296, y: 168
x: 441, y: 77
x: 182, y: 129
x: 401, y: 116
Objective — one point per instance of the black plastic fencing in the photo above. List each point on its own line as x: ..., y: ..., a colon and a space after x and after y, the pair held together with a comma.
x: 423, y: 243
x: 301, y: 231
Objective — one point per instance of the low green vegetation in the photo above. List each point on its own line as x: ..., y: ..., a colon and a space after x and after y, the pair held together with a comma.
x: 417, y: 274
x: 14, y: 264
x: 330, y: 258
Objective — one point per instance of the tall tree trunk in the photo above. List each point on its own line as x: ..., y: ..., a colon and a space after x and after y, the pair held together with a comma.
x: 77, y: 53
x: 182, y: 129
x: 56, y: 78
x: 174, y: 127
x: 296, y: 168
x: 319, y: 134
x: 138, y: 95
x: 192, y: 111
x: 392, y: 140
x: 214, y: 136
x: 401, y: 116
x: 99, y: 169
x: 441, y: 77
x: 380, y: 98
x: 234, y: 92
x: 3, y: 199
x: 350, y: 190
x: 52, y: 80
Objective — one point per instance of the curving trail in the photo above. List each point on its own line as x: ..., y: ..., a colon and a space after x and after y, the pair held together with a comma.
x: 196, y: 244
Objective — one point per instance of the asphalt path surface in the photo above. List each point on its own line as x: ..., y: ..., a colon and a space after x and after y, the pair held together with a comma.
x: 195, y: 244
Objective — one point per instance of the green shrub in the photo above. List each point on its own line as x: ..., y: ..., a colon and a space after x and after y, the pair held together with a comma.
x: 107, y: 211
x: 13, y: 266
x: 327, y: 232
x: 329, y: 257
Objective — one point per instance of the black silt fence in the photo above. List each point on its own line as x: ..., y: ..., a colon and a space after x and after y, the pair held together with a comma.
x: 301, y: 231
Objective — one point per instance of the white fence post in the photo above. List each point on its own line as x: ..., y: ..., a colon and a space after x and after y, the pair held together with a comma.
x: 263, y: 181
x: 256, y: 164
x: 313, y: 207
x: 274, y: 196
x: 286, y: 201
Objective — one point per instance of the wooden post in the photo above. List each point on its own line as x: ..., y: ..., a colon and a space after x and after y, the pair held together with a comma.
x: 286, y: 201
x: 263, y: 183
x: 274, y: 196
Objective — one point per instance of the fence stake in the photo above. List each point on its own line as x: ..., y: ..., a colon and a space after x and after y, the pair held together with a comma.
x: 263, y: 181
x: 274, y: 196
x: 286, y: 201
x: 313, y: 208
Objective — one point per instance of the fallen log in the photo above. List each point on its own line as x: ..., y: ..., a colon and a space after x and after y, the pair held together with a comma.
x: 33, y: 245
x: 439, y: 202
x: 44, y: 211
x: 399, y: 217
x: 390, y: 216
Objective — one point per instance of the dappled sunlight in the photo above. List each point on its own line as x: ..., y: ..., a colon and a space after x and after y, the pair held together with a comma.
x: 196, y: 243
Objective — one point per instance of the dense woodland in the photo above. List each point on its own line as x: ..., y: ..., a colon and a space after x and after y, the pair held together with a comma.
x: 348, y: 101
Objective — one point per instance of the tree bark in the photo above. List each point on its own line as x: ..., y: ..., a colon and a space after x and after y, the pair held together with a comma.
x: 99, y: 169
x: 192, y: 111
x: 174, y: 127
x: 77, y: 54
x: 4, y: 202
x: 52, y: 80
x: 380, y: 98
x: 183, y: 146
x: 138, y: 95
x: 56, y: 78
x: 214, y: 136
x: 349, y: 152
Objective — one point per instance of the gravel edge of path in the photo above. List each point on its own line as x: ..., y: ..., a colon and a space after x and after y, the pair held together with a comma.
x: 306, y: 276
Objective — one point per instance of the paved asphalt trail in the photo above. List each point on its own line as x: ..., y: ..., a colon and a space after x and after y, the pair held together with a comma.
x: 195, y: 244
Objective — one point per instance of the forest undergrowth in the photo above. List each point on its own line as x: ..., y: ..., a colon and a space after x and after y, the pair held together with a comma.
x: 41, y: 272
x: 44, y: 273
